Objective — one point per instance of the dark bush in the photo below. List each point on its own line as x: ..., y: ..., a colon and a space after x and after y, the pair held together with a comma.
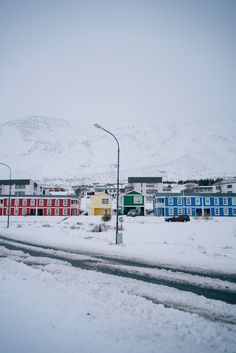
x: 106, y: 218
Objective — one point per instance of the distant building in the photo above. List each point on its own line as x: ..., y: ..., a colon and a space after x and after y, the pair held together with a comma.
x: 147, y: 186
x: 203, y: 189
x: 97, y: 188
x: 21, y: 187
x: 40, y: 205
x: 195, y: 204
x: 227, y: 185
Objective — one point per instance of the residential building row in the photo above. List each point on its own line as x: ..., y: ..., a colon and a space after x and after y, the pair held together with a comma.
x: 40, y: 205
x: 194, y: 204
x: 29, y: 198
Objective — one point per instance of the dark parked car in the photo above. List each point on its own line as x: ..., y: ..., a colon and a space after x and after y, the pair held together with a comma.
x: 181, y: 218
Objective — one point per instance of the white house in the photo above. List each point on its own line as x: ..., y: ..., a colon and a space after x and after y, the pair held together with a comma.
x: 21, y: 187
x: 147, y: 186
x: 226, y: 186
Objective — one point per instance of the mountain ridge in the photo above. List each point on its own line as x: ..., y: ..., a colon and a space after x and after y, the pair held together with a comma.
x: 43, y: 147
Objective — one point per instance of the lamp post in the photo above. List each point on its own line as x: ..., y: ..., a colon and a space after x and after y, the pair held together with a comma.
x: 118, y: 177
x: 9, y: 194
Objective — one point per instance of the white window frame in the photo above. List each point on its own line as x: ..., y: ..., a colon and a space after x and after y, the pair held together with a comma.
x: 65, y: 202
x: 179, y: 200
x: 188, y: 201
x: 217, y: 211
x: 180, y: 211
x: 16, y: 210
x: 64, y: 211
x: 32, y: 202
x: 49, y: 202
x: 207, y: 201
x: 49, y: 211
x: 57, y: 202
x: 189, y: 211
x: 24, y: 211
x: 171, y: 211
x: 234, y: 211
x: 197, y: 201
x: 41, y: 202
x: 138, y: 199
x: 216, y: 201
x: 226, y: 211
x: 170, y: 200
x: 225, y: 201
x: 57, y: 212
x: 105, y: 201
x: 24, y: 202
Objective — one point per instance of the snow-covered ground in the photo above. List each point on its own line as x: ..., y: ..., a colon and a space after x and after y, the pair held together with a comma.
x: 52, y: 306
x: 203, y: 244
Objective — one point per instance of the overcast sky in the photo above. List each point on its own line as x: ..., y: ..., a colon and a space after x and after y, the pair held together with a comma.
x: 122, y: 60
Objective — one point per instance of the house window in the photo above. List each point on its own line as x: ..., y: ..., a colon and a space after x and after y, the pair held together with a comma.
x: 216, y: 200
x: 189, y: 211
x: 197, y: 201
x: 24, y: 202
x: 180, y: 211
x: 57, y: 202
x: 217, y: 212
x: 233, y: 200
x: 229, y: 186
x: 41, y: 202
x: 150, y: 192
x: 48, y: 211
x: 15, y: 211
x: 225, y: 201
x: 207, y: 201
x: 138, y: 199
x: 64, y: 211
x: 16, y: 202
x: 226, y: 211
x: 179, y: 201
x: 24, y: 211
x: 171, y: 211
x: 170, y: 200
x: 17, y: 187
x: 105, y: 201
x: 32, y: 202
x: 64, y: 202
x: 188, y: 200
x: 56, y: 211
x: 49, y: 202
x: 234, y: 211
x: 160, y: 201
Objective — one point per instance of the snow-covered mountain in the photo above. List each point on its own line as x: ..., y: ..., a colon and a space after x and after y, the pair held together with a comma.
x: 43, y: 147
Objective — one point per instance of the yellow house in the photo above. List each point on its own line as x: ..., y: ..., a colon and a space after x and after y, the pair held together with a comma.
x: 101, y: 204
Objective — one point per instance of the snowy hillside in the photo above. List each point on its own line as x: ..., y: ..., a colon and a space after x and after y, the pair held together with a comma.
x: 43, y: 147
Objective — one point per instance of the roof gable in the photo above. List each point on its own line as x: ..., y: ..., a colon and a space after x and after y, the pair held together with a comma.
x: 132, y: 192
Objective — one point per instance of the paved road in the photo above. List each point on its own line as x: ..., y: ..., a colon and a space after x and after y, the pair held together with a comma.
x: 216, y: 286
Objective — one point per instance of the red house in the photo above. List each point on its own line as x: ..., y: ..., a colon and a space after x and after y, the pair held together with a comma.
x: 40, y: 205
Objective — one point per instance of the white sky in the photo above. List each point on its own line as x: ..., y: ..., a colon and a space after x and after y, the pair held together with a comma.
x: 118, y: 60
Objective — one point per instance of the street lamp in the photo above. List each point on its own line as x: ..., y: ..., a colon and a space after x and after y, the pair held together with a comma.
x: 9, y: 194
x: 118, y: 177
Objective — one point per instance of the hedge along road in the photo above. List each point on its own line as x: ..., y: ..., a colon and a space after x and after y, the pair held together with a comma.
x: 134, y: 269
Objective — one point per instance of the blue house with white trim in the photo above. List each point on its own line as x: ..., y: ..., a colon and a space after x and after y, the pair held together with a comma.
x: 194, y: 204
